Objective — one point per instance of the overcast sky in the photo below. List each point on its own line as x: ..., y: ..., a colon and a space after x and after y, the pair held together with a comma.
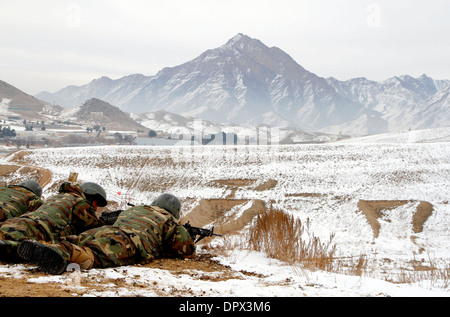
x: 50, y: 44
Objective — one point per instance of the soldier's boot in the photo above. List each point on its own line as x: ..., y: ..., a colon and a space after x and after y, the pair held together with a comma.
x: 8, y: 251
x: 47, y: 257
x: 54, y: 259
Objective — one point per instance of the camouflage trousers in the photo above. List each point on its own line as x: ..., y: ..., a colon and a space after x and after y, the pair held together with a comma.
x: 7, y: 214
x: 110, y: 245
x: 15, y: 230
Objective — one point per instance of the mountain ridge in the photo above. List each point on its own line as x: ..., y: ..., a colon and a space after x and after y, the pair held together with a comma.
x: 98, y: 113
x: 246, y: 82
x: 16, y: 103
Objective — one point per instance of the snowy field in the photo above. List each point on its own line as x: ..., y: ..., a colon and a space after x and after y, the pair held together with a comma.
x: 323, y: 183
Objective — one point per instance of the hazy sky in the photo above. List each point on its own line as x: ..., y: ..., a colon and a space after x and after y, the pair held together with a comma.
x: 49, y: 44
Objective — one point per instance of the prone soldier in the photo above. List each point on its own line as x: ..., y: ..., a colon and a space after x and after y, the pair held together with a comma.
x: 70, y: 212
x: 16, y: 200
x: 139, y: 235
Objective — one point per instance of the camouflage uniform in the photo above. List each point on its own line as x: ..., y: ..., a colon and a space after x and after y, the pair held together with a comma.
x: 16, y: 201
x: 140, y: 234
x: 66, y: 213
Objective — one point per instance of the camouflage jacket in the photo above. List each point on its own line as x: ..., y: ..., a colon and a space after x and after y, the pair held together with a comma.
x: 155, y: 232
x: 16, y: 201
x: 67, y: 213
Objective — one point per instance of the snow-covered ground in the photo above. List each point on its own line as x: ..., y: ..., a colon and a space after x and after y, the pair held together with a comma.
x: 4, y: 105
x: 322, y: 183
x: 274, y: 279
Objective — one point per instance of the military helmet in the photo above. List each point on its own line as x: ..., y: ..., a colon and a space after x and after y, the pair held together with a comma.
x: 32, y: 186
x: 94, y: 191
x: 170, y: 203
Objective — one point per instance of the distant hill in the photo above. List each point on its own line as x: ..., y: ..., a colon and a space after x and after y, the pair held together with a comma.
x: 94, y: 112
x: 15, y: 102
x: 98, y: 112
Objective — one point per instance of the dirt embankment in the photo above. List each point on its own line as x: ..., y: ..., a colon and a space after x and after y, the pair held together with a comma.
x: 18, y: 171
x: 230, y: 215
x: 375, y: 209
x: 227, y: 215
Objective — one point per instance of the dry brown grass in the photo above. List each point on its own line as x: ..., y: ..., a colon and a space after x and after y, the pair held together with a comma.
x: 283, y: 237
x: 432, y: 274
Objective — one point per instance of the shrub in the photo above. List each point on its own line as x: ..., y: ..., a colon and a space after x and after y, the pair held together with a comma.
x: 283, y: 237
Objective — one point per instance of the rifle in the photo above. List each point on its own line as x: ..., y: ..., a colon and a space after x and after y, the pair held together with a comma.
x: 109, y: 217
x: 202, y: 233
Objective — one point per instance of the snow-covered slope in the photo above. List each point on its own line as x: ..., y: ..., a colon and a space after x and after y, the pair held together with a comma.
x: 323, y: 183
x: 18, y: 104
x: 413, y: 136
x: 169, y: 124
x: 98, y: 112
x: 399, y: 104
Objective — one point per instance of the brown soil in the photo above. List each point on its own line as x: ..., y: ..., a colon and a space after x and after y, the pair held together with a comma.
x: 220, y: 213
x: 201, y: 267
x: 424, y: 211
x: 20, y: 287
x: 42, y: 176
x: 235, y: 184
x: 209, y: 210
x: 20, y: 170
x: 374, y: 209
x: 271, y: 183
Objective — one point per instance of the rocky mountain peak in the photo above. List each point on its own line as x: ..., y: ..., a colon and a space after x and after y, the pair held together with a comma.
x: 243, y: 42
x: 236, y: 39
x: 246, y: 82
